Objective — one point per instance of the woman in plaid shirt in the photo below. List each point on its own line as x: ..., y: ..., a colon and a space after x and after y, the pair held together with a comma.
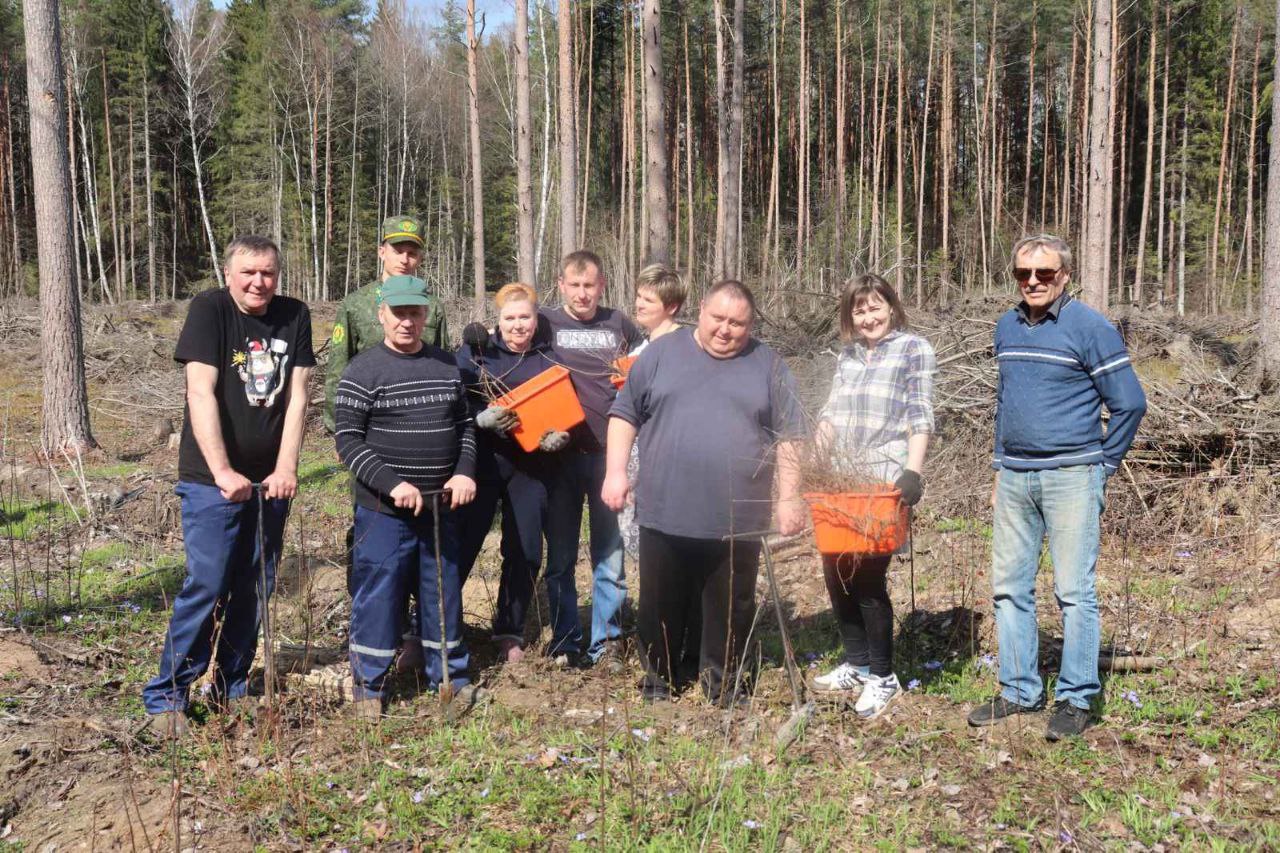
x: 875, y: 426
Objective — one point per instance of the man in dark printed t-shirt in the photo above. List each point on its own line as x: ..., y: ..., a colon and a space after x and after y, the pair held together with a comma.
x: 587, y: 338
x: 247, y: 357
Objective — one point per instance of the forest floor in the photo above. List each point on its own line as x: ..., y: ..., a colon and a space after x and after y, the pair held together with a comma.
x: 1186, y: 752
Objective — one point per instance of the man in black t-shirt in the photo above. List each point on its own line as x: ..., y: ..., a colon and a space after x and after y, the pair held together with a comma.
x: 587, y: 339
x: 247, y: 357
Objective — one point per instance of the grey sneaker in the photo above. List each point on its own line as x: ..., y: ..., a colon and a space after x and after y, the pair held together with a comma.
x: 990, y: 713
x: 1066, y: 721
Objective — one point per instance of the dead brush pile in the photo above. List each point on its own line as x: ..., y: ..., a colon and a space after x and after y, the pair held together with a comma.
x: 1207, y: 452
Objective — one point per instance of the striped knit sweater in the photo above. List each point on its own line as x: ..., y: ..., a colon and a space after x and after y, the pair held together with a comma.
x: 402, y: 418
x: 1055, y: 377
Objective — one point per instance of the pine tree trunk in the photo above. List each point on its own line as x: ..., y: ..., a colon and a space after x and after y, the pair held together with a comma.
x: 65, y: 410
x: 1214, y: 237
x: 1148, y: 156
x: 566, y: 131
x: 147, y: 177
x: 111, y: 185
x: 524, y: 149
x: 1250, y: 173
x: 1031, y: 100
x: 840, y: 139
x: 1269, y: 320
x: 1095, y: 254
x: 922, y: 159
x: 1161, y: 204
x: 656, y: 172
x: 477, y: 178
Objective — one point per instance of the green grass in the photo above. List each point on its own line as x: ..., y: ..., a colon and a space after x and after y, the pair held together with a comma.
x: 21, y: 519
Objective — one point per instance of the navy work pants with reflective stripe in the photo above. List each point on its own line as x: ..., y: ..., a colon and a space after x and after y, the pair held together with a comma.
x: 219, y: 598
x: 387, y: 554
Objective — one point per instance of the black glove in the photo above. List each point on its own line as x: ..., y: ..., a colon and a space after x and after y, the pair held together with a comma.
x: 911, y: 486
x: 475, y: 335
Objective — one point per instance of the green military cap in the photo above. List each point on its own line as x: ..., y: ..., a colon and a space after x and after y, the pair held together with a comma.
x: 401, y: 229
x: 403, y: 290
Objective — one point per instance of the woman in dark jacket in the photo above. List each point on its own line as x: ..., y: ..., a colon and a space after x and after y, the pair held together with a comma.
x: 491, y: 365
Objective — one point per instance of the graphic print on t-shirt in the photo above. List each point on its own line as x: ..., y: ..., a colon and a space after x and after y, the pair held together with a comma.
x: 261, y: 365
x: 586, y: 339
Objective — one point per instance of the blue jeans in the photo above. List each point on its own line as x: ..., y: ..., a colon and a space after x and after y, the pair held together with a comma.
x: 391, y: 553
x: 219, y: 596
x: 1066, y: 503
x: 582, y: 475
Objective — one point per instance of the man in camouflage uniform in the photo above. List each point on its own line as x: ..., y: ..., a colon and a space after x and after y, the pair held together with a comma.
x: 357, y: 328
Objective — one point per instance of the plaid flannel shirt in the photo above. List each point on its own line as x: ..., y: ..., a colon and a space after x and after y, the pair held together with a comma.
x: 881, y: 397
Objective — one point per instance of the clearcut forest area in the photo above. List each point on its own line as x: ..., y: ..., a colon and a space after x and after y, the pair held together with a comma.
x: 1187, y: 754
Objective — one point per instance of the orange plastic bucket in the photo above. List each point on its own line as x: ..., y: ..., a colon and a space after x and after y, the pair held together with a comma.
x: 621, y: 367
x: 869, y: 521
x: 545, y: 402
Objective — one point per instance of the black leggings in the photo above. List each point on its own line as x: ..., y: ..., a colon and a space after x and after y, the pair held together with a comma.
x: 680, y: 576
x: 860, y: 600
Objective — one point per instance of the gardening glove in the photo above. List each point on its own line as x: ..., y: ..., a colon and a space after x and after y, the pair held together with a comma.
x: 498, y: 419
x: 553, y: 440
x: 911, y: 486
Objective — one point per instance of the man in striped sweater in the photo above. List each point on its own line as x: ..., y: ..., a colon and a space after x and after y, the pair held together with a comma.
x: 403, y: 428
x: 1059, y: 363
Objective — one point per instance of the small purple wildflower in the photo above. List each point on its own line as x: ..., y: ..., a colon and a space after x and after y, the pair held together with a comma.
x: 1065, y: 837
x: 987, y: 661
x: 66, y: 619
x: 1184, y: 554
x: 418, y: 797
x: 1131, y: 696
x: 581, y: 836
x: 751, y: 824
x: 913, y: 684
x: 484, y: 793
x: 933, y: 665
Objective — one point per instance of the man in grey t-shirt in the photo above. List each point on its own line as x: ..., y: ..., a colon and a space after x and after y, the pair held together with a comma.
x: 721, y: 417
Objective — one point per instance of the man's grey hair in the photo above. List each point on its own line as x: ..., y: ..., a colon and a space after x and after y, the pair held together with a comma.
x: 1051, y: 242
x: 250, y: 244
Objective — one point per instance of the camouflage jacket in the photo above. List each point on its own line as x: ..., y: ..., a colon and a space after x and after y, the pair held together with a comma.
x: 356, y: 328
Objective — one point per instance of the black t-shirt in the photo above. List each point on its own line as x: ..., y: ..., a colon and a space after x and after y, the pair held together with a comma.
x: 255, y: 357
x: 588, y: 349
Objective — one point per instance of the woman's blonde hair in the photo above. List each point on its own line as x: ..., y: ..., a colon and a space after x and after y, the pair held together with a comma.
x: 517, y: 291
x: 665, y: 283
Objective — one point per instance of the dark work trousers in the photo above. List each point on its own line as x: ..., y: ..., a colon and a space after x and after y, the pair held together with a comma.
x: 408, y: 619
x: 523, y: 497
x: 676, y: 571
x: 215, y: 616
x: 859, y: 594
x: 390, y: 553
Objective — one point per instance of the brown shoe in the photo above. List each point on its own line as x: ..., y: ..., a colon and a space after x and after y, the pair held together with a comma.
x: 369, y: 710
x: 614, y: 657
x: 167, y: 725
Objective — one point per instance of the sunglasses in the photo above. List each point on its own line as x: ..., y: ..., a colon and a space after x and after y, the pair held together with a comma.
x: 1044, y: 276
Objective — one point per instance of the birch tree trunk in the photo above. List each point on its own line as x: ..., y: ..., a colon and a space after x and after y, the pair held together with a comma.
x: 1095, y: 248
x: 656, y: 171
x: 65, y: 412
x: 729, y: 113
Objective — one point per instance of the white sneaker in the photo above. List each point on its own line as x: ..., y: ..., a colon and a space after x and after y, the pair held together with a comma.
x: 877, y: 693
x: 843, y: 677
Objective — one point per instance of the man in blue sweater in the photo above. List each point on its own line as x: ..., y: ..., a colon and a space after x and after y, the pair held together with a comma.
x: 1059, y: 363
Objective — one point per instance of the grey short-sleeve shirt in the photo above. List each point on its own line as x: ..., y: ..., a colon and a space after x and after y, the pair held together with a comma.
x: 710, y: 430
